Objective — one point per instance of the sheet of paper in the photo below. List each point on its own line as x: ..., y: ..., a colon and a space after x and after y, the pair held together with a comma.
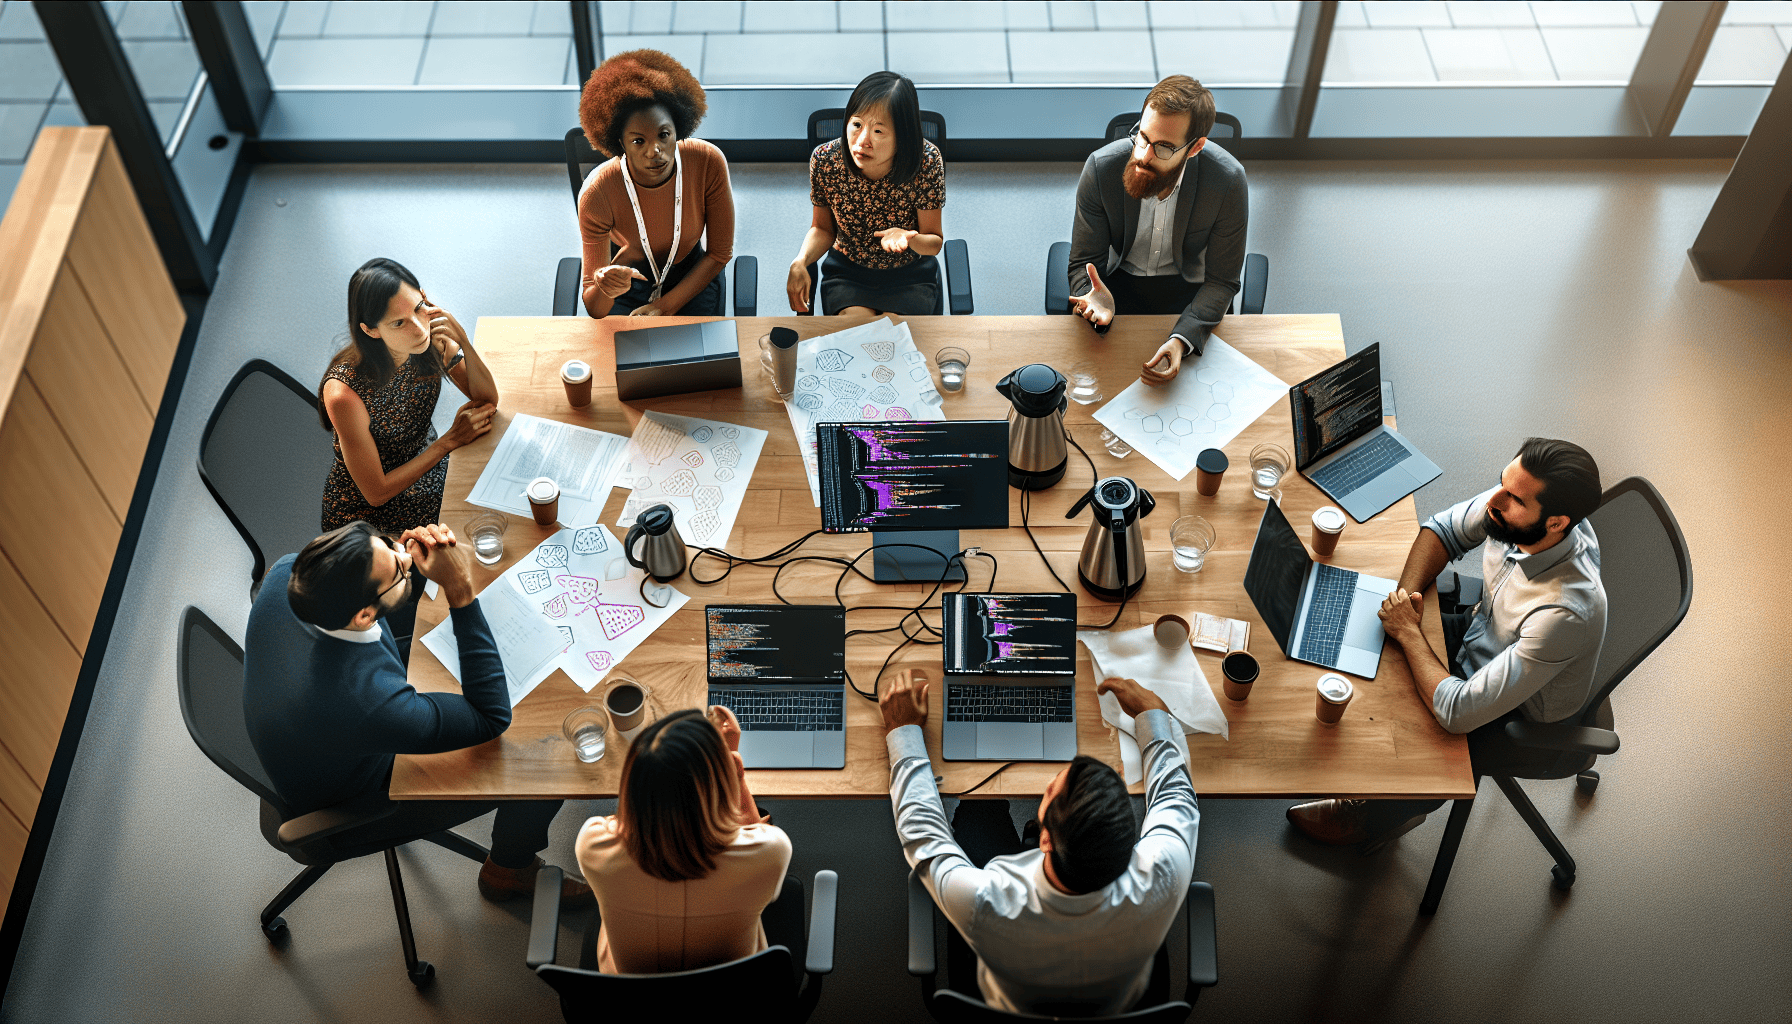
x: 527, y: 645
x: 699, y: 467
x: 581, y: 460
x: 578, y: 582
x: 1206, y: 406
x: 1170, y: 672
x: 871, y: 372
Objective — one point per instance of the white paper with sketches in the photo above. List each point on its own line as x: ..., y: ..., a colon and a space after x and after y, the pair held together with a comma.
x: 1170, y: 672
x: 1208, y: 404
x: 871, y: 372
x: 581, y: 460
x: 528, y: 647
x: 698, y: 467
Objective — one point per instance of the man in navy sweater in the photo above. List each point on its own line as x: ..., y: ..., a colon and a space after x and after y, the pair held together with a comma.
x: 327, y: 701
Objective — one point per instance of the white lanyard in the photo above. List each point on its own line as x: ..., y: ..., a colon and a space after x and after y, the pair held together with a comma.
x: 628, y: 182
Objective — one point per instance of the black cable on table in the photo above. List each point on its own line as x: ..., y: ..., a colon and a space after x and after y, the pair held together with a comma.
x: 986, y: 778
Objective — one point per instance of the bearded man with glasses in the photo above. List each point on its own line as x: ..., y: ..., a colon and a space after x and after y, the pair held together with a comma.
x: 328, y: 704
x: 1160, y: 224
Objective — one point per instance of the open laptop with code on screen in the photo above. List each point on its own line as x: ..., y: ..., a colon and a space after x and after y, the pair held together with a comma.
x: 1342, y: 445
x: 781, y: 668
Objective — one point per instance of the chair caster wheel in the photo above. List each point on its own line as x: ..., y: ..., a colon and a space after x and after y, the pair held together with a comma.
x: 1588, y: 780
x: 1563, y: 880
x: 423, y: 974
x: 275, y: 930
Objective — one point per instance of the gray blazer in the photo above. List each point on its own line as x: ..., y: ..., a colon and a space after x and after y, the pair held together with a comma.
x: 1107, y: 219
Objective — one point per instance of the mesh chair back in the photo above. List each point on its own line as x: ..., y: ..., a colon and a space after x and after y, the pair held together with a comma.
x: 1225, y: 126
x: 829, y: 123
x: 680, y: 995
x: 581, y: 159
x: 1647, y: 573
x: 951, y: 1007
x: 211, y: 703
x: 264, y: 456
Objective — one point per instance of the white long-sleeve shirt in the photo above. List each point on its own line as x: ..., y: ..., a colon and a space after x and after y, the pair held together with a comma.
x: 1036, y: 944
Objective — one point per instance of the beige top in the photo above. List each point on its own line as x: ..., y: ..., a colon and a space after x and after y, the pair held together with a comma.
x: 651, y: 926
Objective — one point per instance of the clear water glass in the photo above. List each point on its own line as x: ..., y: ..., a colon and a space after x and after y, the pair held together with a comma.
x: 1269, y: 463
x: 487, y: 532
x: 585, y: 729
x: 765, y: 366
x: 1085, y: 384
x: 952, y: 363
x: 1191, y: 537
x: 1116, y: 446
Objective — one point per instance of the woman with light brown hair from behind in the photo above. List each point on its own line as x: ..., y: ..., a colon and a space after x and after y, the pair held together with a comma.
x: 687, y: 864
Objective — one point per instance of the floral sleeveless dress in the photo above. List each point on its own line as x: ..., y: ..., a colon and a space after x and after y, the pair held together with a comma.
x: 399, y: 418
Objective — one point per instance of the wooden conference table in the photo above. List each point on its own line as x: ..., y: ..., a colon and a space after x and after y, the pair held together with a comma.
x: 1387, y: 744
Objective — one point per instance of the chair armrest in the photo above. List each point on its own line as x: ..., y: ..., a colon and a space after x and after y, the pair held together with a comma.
x: 920, y: 927
x: 1203, y: 951
x: 544, y: 920
x: 1057, y: 280
x: 1562, y: 736
x: 566, y: 286
x: 746, y: 286
x: 1255, y: 284
x: 320, y: 825
x: 958, y: 277
x: 820, y: 958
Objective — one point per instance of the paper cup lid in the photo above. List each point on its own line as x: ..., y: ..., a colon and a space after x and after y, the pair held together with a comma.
x: 542, y: 490
x: 1335, y: 688
x: 575, y: 371
x: 1330, y: 519
x: 1212, y: 460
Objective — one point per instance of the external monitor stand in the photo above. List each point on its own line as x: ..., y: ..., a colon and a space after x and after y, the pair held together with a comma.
x: 912, y: 564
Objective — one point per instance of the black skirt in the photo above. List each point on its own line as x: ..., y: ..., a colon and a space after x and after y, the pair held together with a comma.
x: 707, y: 302
x: 909, y: 290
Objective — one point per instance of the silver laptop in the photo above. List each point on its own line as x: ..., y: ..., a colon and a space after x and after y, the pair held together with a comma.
x: 781, y: 669
x: 1319, y: 613
x: 1341, y: 444
x: 1010, y: 665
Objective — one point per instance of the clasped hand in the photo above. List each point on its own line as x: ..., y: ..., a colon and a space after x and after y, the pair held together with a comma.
x: 1402, y: 612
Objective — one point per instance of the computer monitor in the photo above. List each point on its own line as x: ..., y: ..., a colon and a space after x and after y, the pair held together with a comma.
x: 915, y: 484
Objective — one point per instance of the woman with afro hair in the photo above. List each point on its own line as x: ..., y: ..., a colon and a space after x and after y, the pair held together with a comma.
x: 658, y: 218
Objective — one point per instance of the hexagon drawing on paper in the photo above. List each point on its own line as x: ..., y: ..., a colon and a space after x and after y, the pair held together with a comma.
x: 879, y: 351
x: 831, y: 360
x: 808, y: 401
x: 1208, y: 374
x: 551, y: 555
x: 703, y: 524
x: 534, y: 581
x: 616, y: 569
x: 897, y: 412
x: 600, y: 660
x: 883, y: 394
x: 724, y: 474
x: 841, y: 410
x: 680, y: 484
x: 730, y: 432
x: 870, y: 412
x: 727, y: 453
x: 884, y: 375
x: 617, y: 619
x: 589, y: 541
x: 707, y: 496
x: 579, y: 589
x: 555, y: 607
x: 918, y: 374
x: 1152, y: 424
x: 1181, y: 427
x: 692, y: 459
x: 1222, y: 391
x: 642, y: 483
x: 1217, y: 412
x: 844, y: 388
x: 808, y: 382
x: 702, y: 434
x: 914, y: 357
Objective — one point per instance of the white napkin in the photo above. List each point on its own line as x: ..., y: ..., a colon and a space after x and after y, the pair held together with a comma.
x: 1170, y: 672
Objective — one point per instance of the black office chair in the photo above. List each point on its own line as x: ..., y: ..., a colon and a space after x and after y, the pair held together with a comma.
x: 764, y: 981
x: 950, y: 1007
x: 211, y: 703
x: 264, y: 455
x: 580, y: 160
x: 1647, y: 574
x: 1255, y: 282
x: 954, y: 290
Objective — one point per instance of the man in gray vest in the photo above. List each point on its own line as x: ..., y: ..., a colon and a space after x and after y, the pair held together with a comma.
x: 1160, y: 223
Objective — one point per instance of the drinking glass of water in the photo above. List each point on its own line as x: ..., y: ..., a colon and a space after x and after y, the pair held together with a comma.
x: 487, y: 531
x: 1269, y: 463
x: 952, y: 362
x: 1085, y: 383
x: 1191, y: 537
x: 584, y: 729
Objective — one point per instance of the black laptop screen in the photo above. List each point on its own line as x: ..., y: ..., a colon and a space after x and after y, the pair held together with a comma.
x: 945, y: 475
x: 1337, y: 406
x: 756, y: 642
x: 1278, y: 570
x: 1010, y: 634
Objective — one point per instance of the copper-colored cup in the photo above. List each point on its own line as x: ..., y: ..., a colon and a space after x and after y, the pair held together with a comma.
x: 544, y: 500
x: 576, y: 375
x: 1334, y: 696
x: 627, y: 705
x: 1328, y: 526
x: 1210, y: 466
x: 1240, y: 670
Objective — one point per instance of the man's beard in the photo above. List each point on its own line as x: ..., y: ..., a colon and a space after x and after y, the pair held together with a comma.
x: 1505, y: 533
x: 1140, y: 180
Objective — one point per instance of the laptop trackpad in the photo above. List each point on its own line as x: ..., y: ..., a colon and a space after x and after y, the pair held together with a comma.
x: 1010, y: 740
x: 1363, y: 630
x: 769, y: 749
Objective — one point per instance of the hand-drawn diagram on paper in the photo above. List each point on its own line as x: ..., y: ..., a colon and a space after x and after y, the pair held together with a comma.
x: 699, y: 467
x: 1206, y: 406
x: 869, y: 372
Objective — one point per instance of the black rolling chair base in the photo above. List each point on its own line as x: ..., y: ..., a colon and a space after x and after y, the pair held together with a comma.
x: 1588, y: 781
x: 276, y: 930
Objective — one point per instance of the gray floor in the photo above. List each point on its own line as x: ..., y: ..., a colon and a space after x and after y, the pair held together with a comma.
x: 1510, y: 299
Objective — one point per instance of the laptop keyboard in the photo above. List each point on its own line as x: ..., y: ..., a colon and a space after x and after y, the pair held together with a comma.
x: 1360, y: 466
x: 1327, y: 616
x: 762, y: 710
x: 971, y: 703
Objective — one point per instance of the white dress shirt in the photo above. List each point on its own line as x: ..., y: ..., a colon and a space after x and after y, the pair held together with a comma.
x: 1036, y: 944
x: 1155, y: 247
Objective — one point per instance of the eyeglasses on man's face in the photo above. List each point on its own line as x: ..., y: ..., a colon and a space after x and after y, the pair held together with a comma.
x: 1160, y: 150
x: 398, y: 566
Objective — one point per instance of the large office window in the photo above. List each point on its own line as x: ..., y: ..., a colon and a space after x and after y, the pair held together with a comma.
x: 1487, y: 42
x: 1750, y: 45
x: 415, y: 42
